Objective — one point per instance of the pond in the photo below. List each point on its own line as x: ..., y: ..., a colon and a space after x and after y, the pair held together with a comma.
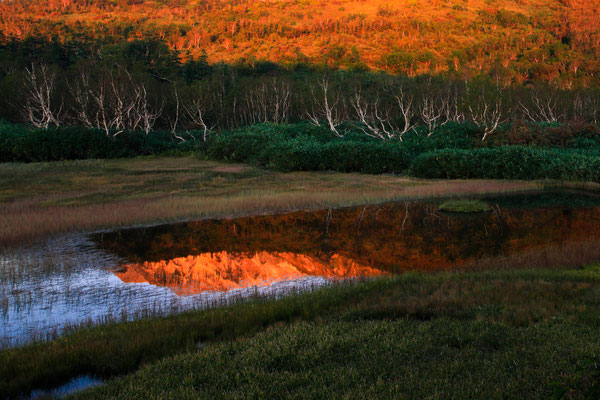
x: 75, y: 280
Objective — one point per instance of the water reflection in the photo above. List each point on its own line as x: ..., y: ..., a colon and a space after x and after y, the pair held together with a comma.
x: 389, y: 238
x: 167, y: 269
x: 223, y: 271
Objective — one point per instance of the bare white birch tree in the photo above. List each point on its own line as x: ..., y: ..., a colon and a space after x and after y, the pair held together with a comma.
x: 83, y: 99
x: 453, y: 105
x: 545, y: 106
x: 144, y: 113
x: 173, y: 118
x: 407, y: 112
x: 384, y: 122
x: 102, y: 115
x: 431, y: 112
x: 269, y: 101
x: 325, y: 107
x: 197, y: 109
x: 368, y: 116
x: 281, y: 100
x: 40, y: 109
x: 485, y: 108
x: 122, y: 102
x: 591, y: 106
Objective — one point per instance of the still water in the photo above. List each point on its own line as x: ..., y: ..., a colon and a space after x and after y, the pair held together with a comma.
x: 78, y: 279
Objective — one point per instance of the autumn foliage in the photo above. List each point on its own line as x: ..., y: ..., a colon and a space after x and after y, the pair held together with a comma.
x: 514, y: 41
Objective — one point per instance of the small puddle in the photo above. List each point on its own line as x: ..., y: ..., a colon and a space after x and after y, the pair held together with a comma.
x: 45, y: 290
x: 73, y: 386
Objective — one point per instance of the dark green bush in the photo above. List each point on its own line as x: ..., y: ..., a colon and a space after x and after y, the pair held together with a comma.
x: 366, y: 157
x: 20, y: 144
x: 244, y: 145
x: 237, y: 146
x: 449, y: 136
x: 449, y: 153
x: 306, y: 154
x: 552, y: 151
x: 564, y: 136
x: 300, y: 154
x: 514, y: 162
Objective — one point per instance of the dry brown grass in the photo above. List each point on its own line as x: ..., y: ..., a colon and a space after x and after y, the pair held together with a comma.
x: 39, y: 200
x: 565, y: 255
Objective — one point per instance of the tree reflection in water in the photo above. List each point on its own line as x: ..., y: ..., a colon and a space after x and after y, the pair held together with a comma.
x: 366, y: 241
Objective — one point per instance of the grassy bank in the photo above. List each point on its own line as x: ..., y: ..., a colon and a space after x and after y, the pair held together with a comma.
x: 486, y: 334
x: 42, y: 199
x: 440, y: 359
x: 496, y: 335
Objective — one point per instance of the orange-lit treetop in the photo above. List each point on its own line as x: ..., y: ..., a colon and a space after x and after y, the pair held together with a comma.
x: 520, y: 40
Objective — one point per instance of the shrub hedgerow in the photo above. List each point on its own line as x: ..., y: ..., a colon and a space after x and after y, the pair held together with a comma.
x: 367, y: 157
x: 453, y: 151
x: 304, y: 154
x: 511, y: 162
x: 547, y: 135
x: 20, y: 144
x: 449, y: 136
x: 291, y: 155
x: 450, y: 152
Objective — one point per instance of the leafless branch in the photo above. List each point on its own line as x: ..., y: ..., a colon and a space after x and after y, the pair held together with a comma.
x: 325, y: 107
x: 40, y: 86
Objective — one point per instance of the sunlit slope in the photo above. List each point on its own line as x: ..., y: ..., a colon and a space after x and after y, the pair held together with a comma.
x: 520, y: 39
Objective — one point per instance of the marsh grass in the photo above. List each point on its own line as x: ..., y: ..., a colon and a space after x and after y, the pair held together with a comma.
x: 441, y: 358
x: 507, y: 334
x: 565, y: 255
x: 450, y: 309
x: 464, y: 206
x: 44, y: 199
x: 513, y: 300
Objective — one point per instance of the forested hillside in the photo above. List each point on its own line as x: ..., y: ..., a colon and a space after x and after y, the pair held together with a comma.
x: 514, y: 41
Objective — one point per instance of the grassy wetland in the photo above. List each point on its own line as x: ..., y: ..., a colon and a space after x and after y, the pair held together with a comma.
x: 231, y: 199
x: 42, y: 199
x: 519, y: 323
x: 518, y: 334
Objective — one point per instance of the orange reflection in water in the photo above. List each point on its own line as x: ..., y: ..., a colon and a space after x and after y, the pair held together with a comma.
x: 224, y: 271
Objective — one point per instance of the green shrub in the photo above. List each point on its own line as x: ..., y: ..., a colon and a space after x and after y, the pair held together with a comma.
x: 464, y: 206
x: 291, y: 155
x: 516, y: 151
x: 513, y: 162
x: 21, y: 144
x: 367, y: 157
x: 564, y: 136
x: 236, y: 146
x: 449, y: 136
x: 305, y: 154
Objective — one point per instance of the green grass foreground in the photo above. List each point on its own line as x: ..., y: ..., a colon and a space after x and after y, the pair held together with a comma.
x: 479, y: 334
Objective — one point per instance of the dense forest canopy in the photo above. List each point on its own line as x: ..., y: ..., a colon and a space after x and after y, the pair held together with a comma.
x: 383, y: 68
x: 514, y: 41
